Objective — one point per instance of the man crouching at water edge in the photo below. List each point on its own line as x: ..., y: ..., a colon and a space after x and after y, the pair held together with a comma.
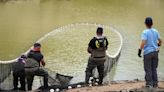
x: 19, y: 73
x: 32, y: 66
x: 97, y: 48
x: 151, y: 42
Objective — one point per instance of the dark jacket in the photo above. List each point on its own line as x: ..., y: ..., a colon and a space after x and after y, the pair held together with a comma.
x: 36, y: 55
x: 19, y: 66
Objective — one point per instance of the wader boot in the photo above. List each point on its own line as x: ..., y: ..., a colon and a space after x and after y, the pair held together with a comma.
x: 92, y: 64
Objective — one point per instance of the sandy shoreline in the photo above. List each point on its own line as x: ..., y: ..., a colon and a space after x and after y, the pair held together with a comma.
x: 119, y: 86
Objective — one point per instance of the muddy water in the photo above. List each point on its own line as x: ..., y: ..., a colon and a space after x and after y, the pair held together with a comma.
x: 22, y: 22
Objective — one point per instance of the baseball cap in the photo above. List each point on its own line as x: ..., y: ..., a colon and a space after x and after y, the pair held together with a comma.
x: 148, y: 20
x: 37, y: 45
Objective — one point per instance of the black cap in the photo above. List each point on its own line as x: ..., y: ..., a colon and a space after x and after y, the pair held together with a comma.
x: 148, y: 21
x: 37, y: 45
x: 99, y: 30
x: 23, y: 56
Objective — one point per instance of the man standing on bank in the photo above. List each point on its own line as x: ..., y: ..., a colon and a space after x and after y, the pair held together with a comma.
x: 32, y: 66
x: 97, y: 48
x: 151, y: 42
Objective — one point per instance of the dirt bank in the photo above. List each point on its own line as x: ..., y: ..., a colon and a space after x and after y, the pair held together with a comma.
x: 120, y: 86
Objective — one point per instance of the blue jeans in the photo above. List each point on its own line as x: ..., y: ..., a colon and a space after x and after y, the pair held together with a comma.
x: 150, y: 67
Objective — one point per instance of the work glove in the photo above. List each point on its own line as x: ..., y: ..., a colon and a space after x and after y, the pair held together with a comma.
x: 43, y: 63
x: 139, y: 53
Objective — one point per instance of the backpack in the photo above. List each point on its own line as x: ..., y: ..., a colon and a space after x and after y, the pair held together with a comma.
x: 100, y: 52
x: 100, y: 42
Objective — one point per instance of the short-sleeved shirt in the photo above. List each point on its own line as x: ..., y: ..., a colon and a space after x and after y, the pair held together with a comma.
x: 92, y: 42
x: 151, y: 37
x: 37, y: 55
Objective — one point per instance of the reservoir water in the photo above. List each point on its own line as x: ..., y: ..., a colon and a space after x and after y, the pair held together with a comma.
x: 22, y: 22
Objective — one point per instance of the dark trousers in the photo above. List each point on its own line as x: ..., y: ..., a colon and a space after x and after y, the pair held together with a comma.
x: 150, y: 66
x: 91, y: 65
x: 19, y: 76
x: 39, y: 72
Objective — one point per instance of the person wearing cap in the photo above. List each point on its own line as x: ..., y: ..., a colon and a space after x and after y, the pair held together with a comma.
x: 32, y: 67
x: 151, y: 42
x: 19, y: 73
x: 97, y: 48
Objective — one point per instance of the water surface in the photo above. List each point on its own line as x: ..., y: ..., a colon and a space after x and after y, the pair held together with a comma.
x: 22, y: 22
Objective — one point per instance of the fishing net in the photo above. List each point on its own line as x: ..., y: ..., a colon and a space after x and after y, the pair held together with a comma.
x: 54, y: 79
x: 60, y: 79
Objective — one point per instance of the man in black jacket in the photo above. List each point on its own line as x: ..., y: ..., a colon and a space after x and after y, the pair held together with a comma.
x: 19, y: 73
x: 97, y: 48
x: 32, y: 67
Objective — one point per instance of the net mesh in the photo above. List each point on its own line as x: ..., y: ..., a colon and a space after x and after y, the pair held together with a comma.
x: 55, y: 79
